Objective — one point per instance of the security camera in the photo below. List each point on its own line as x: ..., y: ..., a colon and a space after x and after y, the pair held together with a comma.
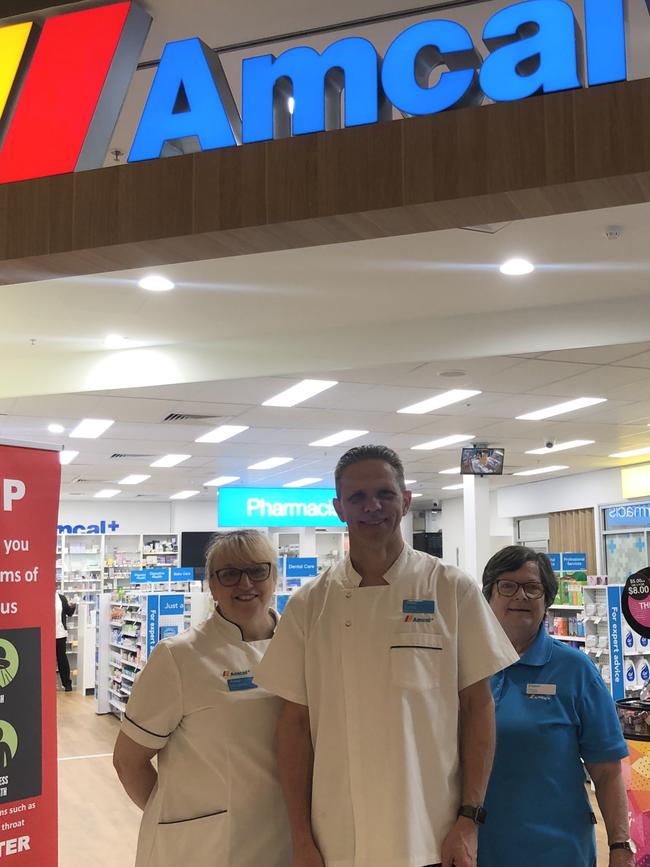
x: 435, y: 506
x: 549, y: 444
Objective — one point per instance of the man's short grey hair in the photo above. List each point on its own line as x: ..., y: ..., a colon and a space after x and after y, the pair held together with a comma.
x: 369, y: 453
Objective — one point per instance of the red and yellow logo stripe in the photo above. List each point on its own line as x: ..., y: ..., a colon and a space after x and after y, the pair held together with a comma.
x: 59, y: 110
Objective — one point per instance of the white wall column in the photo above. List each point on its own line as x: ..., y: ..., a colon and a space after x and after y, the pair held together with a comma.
x: 407, y: 528
x: 476, y: 509
x: 307, y: 542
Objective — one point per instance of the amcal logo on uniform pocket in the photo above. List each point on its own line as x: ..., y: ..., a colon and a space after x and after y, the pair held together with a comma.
x: 62, y: 87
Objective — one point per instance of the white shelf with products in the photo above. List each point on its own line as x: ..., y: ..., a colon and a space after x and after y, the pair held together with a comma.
x: 123, y: 651
x: 102, y: 562
x: 622, y: 656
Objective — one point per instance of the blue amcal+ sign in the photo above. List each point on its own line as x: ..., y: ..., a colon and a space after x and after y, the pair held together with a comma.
x: 534, y: 47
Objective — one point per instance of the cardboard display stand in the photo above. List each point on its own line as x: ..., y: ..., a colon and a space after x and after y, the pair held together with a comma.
x: 29, y: 497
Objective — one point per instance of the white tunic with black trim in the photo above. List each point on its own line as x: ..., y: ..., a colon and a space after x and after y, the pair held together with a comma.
x: 380, y: 669
x: 217, y: 802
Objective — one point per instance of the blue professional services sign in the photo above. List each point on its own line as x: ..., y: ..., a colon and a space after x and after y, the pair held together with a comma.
x: 574, y: 562
x: 277, y: 507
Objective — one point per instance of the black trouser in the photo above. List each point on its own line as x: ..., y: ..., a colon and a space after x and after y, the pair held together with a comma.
x: 62, y: 662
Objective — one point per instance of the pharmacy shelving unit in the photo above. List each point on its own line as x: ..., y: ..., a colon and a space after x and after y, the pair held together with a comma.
x: 102, y: 562
x: 126, y: 642
x: 622, y: 656
x: 160, y: 550
x: 565, y: 619
x: 122, y: 642
x: 122, y: 554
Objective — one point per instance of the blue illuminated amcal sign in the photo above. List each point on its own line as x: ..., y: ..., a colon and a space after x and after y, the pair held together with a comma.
x: 277, y: 507
x: 532, y: 47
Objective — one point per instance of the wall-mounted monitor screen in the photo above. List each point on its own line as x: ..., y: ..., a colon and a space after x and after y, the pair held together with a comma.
x: 482, y: 462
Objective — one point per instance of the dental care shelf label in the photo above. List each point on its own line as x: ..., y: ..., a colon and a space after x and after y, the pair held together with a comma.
x: 636, y: 602
x: 29, y: 496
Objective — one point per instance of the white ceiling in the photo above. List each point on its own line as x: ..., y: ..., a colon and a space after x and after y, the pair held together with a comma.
x: 365, y: 399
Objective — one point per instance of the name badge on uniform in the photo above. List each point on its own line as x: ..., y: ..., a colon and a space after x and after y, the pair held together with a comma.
x: 418, y: 606
x: 541, y: 689
x: 239, y: 680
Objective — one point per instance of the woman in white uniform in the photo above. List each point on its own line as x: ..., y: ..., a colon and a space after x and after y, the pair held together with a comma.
x: 214, y: 800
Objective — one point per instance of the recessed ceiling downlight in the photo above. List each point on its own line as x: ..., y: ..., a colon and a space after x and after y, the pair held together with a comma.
x: 517, y: 267
x: 156, y: 283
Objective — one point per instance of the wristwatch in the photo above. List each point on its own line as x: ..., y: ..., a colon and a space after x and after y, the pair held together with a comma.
x: 477, y: 814
x: 628, y: 845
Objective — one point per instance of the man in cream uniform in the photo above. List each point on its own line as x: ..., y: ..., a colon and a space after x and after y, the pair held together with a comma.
x: 387, y: 729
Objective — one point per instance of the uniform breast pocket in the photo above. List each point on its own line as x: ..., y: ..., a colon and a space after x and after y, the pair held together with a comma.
x: 416, y: 660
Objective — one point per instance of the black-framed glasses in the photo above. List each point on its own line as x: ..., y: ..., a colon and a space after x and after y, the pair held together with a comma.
x: 257, y: 572
x: 532, y: 589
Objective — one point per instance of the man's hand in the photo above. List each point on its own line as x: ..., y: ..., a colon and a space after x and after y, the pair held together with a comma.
x: 461, y: 844
x: 307, y: 855
x: 621, y: 858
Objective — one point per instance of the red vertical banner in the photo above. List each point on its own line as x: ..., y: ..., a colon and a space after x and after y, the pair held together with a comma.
x: 29, y: 498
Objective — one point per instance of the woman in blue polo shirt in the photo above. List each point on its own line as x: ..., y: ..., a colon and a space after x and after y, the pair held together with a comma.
x: 553, y: 712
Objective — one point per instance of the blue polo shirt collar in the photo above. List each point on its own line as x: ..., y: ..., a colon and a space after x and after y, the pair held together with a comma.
x: 540, y: 651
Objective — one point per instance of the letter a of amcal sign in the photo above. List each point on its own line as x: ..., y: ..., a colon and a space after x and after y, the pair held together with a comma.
x: 62, y: 87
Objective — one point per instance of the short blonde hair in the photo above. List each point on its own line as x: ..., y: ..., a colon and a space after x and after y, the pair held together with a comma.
x: 240, y: 548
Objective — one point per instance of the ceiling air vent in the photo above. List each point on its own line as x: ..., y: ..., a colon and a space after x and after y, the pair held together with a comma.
x: 81, y: 481
x: 487, y: 228
x: 188, y: 418
x: 118, y: 456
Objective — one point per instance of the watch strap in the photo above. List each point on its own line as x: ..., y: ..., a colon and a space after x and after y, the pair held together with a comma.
x: 622, y: 845
x: 478, y: 815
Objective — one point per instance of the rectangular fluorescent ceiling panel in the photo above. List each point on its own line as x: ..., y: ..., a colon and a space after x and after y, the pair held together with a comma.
x: 561, y: 408
x: 91, y: 428
x: 452, y: 487
x: 270, y: 463
x: 444, y: 441
x: 410, y: 481
x: 540, y: 471
x: 343, y: 436
x: 562, y: 447
x: 446, y: 399
x: 632, y: 453
x: 452, y: 471
x: 300, y: 392
x: 133, y: 480
x: 67, y: 456
x: 413, y: 496
x: 107, y: 493
x: 184, y: 495
x: 170, y: 460
x: 221, y: 480
x: 222, y: 433
x: 300, y: 483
